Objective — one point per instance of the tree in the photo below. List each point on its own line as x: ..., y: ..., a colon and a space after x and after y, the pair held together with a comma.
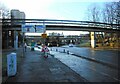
x: 117, y: 18
x: 5, y: 13
x: 94, y: 13
x: 111, y: 13
x: 108, y: 13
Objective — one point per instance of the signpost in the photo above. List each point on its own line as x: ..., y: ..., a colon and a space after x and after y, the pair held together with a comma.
x: 33, y: 28
x: 0, y: 46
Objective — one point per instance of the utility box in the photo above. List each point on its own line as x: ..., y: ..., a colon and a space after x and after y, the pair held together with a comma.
x: 11, y: 64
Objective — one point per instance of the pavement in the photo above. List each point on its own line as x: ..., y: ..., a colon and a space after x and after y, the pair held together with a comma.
x: 36, y: 68
x: 0, y: 66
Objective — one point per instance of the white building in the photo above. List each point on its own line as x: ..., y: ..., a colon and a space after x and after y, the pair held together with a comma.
x: 0, y: 14
x: 55, y: 34
x: 22, y: 15
x: 16, y: 14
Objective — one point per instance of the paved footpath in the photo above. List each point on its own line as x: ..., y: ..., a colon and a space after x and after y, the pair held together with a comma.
x: 35, y: 68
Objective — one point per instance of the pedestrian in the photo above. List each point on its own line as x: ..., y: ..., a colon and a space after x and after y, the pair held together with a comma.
x: 32, y: 45
x: 25, y: 45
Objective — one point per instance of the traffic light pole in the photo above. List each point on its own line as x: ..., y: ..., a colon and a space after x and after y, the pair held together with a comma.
x: 44, y: 31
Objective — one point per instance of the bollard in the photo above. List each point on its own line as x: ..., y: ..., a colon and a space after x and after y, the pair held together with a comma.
x: 56, y: 50
x: 51, y: 49
x: 64, y: 51
x: 67, y: 52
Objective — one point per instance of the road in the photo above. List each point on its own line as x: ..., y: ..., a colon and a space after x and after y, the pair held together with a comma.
x: 90, y: 70
x: 106, y: 56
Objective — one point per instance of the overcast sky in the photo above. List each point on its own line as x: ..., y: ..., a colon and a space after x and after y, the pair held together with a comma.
x: 53, y: 9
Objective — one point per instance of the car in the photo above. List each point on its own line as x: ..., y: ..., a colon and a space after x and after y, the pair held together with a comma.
x: 39, y: 47
x: 70, y: 45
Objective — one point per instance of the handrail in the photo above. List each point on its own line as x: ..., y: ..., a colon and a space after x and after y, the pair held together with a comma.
x: 61, y: 22
x: 58, y: 21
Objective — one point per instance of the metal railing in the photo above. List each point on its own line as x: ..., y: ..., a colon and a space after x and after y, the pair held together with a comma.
x: 60, y: 22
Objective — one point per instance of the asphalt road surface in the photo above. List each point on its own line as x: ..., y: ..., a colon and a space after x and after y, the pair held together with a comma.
x: 90, y: 70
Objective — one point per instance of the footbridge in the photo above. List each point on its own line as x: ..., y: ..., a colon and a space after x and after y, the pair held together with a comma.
x: 65, y: 25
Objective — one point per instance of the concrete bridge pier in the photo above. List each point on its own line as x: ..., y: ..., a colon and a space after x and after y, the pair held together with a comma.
x: 7, y: 39
x: 15, y: 39
x: 93, y: 41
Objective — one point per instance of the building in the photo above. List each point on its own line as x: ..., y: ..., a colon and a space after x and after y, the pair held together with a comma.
x: 0, y: 14
x: 12, y: 37
x: 16, y: 14
x: 55, y: 34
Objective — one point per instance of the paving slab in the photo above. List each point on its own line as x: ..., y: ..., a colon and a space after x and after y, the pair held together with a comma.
x: 36, y: 68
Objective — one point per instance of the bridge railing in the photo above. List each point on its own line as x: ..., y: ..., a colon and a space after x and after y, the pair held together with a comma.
x: 60, y: 22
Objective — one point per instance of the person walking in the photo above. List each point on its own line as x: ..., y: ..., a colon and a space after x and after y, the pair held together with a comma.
x: 25, y: 45
x: 32, y: 45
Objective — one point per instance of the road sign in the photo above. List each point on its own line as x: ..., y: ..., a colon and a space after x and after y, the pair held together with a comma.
x: 33, y: 28
x: 44, y: 35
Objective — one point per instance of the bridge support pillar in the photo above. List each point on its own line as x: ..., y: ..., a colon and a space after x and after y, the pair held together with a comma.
x: 93, y: 42
x: 15, y: 39
x: 7, y: 39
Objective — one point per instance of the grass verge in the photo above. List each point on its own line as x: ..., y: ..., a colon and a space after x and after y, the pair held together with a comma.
x: 87, y: 44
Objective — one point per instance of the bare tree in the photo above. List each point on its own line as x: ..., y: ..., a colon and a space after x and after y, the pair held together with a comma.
x: 93, y: 13
x: 108, y: 13
x: 117, y: 13
x: 111, y: 15
x: 5, y: 11
x: 111, y: 12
